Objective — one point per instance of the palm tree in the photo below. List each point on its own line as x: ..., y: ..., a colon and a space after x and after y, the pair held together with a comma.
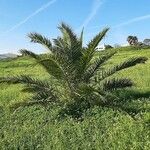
x: 132, y: 40
x: 76, y: 75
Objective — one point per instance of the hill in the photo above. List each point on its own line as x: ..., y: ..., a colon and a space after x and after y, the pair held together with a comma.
x: 37, y: 128
x: 8, y: 55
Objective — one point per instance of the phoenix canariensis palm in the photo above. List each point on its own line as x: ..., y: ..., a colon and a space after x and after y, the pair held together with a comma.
x: 80, y: 81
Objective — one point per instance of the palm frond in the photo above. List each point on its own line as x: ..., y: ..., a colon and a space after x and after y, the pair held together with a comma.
x: 89, y: 51
x: 60, y: 68
x: 29, y: 104
x: 59, y: 45
x: 43, y: 89
x: 25, y: 52
x: 73, y: 47
x: 50, y: 64
x: 95, y: 41
x: 113, y: 84
x: 44, y: 96
x: 129, y: 63
x: 81, y: 37
x: 24, y: 79
x: 34, y: 88
x: 68, y: 35
x: 53, y: 67
x: 38, y: 38
x: 61, y: 50
x: 93, y: 68
x: 91, y: 47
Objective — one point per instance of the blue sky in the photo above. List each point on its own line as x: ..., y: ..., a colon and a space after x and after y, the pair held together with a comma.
x: 19, y: 17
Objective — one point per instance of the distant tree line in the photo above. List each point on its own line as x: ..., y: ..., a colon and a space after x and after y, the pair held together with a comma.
x: 133, y: 41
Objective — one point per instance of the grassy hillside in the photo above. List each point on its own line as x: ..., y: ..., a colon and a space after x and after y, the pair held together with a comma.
x: 37, y: 128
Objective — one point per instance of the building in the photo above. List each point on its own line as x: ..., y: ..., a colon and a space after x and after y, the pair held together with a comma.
x: 100, y: 47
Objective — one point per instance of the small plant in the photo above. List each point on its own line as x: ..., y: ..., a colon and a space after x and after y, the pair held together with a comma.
x: 77, y: 80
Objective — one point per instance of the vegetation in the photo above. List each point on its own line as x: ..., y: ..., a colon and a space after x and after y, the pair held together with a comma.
x: 146, y: 42
x: 108, y: 47
x: 78, y: 81
x: 102, y: 128
x: 132, y: 40
x: 65, y: 84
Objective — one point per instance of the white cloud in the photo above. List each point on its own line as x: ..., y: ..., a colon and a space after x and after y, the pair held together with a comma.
x: 137, y: 19
x: 95, y: 8
x: 31, y: 16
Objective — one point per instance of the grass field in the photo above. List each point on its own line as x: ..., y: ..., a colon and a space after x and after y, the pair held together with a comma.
x: 33, y: 128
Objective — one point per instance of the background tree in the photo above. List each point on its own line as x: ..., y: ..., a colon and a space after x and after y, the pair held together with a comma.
x: 132, y: 40
x: 117, y: 45
x: 76, y: 78
x: 108, y: 47
x: 147, y: 42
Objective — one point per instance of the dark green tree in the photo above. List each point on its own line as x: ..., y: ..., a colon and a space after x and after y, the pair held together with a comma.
x: 132, y: 40
x: 108, y: 47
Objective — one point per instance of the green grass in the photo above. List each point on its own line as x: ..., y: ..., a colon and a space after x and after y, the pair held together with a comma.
x: 102, y: 128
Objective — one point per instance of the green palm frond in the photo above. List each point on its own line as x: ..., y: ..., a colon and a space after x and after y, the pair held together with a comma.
x: 38, y: 38
x: 95, y: 41
x: 30, y: 103
x: 44, y: 96
x: 25, y: 52
x: 49, y: 93
x: 71, y: 54
x: 33, y: 89
x: 89, y: 52
x: 71, y: 43
x: 59, y: 46
x: 43, y: 88
x: 60, y: 68
x: 91, y: 47
x: 23, y: 79
x: 68, y: 35
x: 81, y: 37
x: 93, y: 68
x: 52, y: 66
x: 61, y: 50
x: 129, y: 63
x: 28, y: 81
x: 113, y: 84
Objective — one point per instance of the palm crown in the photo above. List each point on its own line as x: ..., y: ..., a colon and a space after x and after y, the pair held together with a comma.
x: 77, y: 73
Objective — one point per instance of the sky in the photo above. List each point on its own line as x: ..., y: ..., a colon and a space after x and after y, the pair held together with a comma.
x: 20, y: 17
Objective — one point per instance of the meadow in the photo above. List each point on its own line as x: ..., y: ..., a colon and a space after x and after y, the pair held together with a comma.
x: 101, y: 128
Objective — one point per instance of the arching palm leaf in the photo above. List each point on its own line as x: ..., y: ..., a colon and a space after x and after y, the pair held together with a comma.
x: 38, y: 38
x: 113, y: 84
x: 127, y: 64
x: 93, y: 67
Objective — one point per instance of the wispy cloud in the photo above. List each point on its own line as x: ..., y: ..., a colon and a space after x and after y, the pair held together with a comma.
x: 31, y: 16
x: 137, y: 19
x: 95, y: 8
x: 128, y: 22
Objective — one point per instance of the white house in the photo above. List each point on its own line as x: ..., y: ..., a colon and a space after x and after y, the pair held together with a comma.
x: 100, y: 47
